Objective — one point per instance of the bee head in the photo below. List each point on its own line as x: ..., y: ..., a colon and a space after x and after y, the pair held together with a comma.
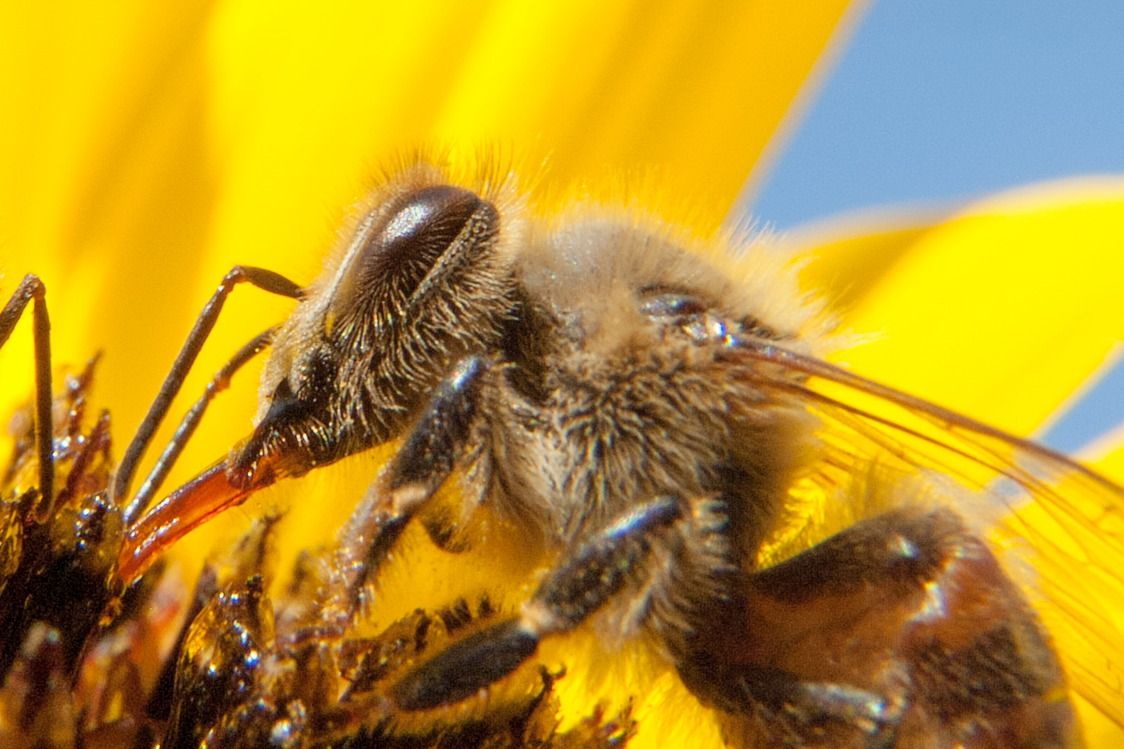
x: 423, y: 280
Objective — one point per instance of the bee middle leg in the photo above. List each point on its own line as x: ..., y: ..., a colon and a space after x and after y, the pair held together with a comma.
x: 600, y: 569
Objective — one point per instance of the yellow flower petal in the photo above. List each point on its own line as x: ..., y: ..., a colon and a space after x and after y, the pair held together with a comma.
x: 999, y: 311
x: 157, y: 147
x: 1107, y: 455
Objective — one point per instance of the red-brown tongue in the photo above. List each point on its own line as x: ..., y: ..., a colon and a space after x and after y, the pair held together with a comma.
x: 185, y: 509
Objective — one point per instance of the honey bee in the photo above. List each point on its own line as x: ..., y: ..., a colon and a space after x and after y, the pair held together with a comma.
x: 644, y: 417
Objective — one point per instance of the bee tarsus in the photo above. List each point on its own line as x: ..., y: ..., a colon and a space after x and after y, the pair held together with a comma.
x: 32, y: 289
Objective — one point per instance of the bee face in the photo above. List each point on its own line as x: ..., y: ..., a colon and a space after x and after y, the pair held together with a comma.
x: 422, y: 282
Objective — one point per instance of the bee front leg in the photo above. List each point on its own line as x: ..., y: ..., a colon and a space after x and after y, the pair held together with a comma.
x: 418, y: 469
x: 264, y: 279
x: 190, y: 422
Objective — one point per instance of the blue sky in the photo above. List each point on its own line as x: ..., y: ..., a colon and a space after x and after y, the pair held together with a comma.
x: 954, y: 99
x: 946, y: 101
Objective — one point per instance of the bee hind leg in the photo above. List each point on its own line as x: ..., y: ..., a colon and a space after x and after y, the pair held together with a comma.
x: 899, y: 631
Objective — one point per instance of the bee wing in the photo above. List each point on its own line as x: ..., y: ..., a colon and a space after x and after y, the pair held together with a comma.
x: 1057, y: 525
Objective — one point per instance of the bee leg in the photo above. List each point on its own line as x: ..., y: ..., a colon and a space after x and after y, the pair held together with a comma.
x: 417, y: 470
x: 901, y: 627
x: 31, y: 289
x: 265, y: 280
x: 190, y: 421
x: 596, y: 572
x: 785, y: 708
x: 437, y: 440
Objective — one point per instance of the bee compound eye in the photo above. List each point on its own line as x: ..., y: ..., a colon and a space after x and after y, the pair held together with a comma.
x: 419, y: 230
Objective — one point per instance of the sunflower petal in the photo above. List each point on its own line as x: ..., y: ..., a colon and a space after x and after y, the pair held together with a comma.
x: 157, y: 147
x: 1000, y: 310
